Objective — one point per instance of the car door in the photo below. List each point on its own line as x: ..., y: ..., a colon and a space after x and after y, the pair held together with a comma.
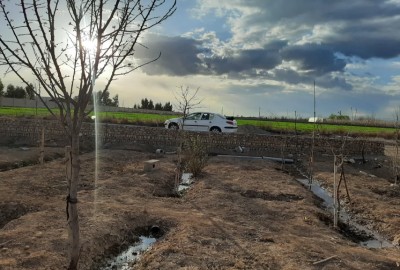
x: 191, y: 122
x: 204, y: 123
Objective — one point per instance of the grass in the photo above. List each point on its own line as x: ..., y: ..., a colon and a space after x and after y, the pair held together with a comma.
x: 121, y: 116
x: 23, y: 112
x: 135, y: 117
x: 269, y: 125
x: 309, y: 127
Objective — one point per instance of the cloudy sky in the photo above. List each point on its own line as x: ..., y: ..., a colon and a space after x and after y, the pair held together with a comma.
x: 251, y: 57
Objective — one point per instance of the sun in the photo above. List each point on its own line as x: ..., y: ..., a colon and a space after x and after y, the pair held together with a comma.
x: 89, y: 45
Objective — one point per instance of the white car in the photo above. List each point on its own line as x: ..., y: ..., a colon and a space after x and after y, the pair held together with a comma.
x: 203, y: 121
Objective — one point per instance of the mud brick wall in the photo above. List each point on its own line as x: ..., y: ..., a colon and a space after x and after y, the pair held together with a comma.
x: 28, y: 131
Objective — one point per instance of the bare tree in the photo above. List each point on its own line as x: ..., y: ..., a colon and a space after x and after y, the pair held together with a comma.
x: 187, y: 100
x: 67, y: 46
x: 338, y: 163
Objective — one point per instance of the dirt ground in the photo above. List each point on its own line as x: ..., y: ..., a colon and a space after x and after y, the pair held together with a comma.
x: 240, y: 214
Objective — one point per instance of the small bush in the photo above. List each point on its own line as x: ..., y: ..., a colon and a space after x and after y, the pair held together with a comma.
x: 195, y: 155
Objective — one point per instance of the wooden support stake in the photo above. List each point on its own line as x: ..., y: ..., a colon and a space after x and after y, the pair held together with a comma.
x: 325, y: 260
x: 335, y: 206
x: 41, y: 158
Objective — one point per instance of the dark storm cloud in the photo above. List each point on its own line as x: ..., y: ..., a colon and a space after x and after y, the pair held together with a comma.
x: 362, y: 28
x: 244, y: 60
x: 315, y: 59
x: 185, y: 56
x: 316, y: 11
x: 289, y: 76
x: 179, y: 56
x: 358, y: 28
x: 244, y: 63
x: 326, y: 81
x: 333, y: 82
x: 380, y: 40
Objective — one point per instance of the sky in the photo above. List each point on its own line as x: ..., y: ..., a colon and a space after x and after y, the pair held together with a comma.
x: 262, y: 57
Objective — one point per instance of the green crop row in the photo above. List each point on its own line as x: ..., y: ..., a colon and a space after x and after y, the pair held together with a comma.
x: 16, y: 111
x: 108, y: 116
x: 319, y: 127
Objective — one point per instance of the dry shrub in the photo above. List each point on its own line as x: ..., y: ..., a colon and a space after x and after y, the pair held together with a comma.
x: 342, y: 131
x: 324, y: 132
x: 387, y: 135
x: 108, y: 119
x: 124, y: 121
x: 195, y: 155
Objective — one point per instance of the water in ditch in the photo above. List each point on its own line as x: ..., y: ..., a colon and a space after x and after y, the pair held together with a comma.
x: 373, y: 240
x: 186, y: 181
x: 128, y: 257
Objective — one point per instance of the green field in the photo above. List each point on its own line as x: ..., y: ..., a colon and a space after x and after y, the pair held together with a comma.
x: 126, y: 117
x: 135, y: 117
x: 320, y: 128
x: 20, y: 112
x: 158, y: 119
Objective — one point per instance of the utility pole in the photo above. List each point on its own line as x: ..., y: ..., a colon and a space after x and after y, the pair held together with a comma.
x: 311, y: 166
x: 315, y: 121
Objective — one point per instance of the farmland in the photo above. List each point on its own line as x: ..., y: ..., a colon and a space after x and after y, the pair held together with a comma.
x: 278, y: 126
x: 238, y: 214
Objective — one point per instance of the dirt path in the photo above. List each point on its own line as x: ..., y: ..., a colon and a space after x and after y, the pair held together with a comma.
x: 241, y: 214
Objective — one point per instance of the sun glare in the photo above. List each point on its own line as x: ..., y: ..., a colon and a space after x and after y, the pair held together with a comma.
x: 89, y: 45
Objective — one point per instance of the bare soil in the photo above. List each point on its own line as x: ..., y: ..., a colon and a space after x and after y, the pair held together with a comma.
x: 239, y: 214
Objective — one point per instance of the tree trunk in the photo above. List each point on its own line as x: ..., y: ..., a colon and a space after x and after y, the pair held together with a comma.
x: 72, y: 200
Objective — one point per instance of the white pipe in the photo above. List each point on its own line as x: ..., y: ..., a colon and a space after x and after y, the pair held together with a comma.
x: 284, y: 160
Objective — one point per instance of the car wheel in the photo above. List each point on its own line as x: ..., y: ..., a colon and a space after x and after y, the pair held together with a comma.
x: 215, y: 130
x: 173, y: 126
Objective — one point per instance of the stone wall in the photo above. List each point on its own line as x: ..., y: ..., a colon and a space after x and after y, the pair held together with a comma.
x: 27, y: 131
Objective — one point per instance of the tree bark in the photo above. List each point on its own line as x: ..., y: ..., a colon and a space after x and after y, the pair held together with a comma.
x: 72, y: 207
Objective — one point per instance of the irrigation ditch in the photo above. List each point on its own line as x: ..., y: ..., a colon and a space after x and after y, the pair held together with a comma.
x: 124, y: 256
x: 347, y: 226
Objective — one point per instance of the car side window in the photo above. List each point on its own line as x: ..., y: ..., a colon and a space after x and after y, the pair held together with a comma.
x: 211, y: 116
x: 205, y: 116
x: 193, y: 116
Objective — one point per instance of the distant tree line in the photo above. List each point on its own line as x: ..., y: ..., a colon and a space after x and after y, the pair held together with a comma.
x: 103, y: 99
x: 148, y: 104
x: 12, y: 91
x: 339, y: 116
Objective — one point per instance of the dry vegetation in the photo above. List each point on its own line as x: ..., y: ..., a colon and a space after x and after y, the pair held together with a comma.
x: 239, y: 214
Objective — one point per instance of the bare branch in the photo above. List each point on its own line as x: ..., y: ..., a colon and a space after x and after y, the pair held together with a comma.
x: 187, y: 100
x: 51, y: 44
